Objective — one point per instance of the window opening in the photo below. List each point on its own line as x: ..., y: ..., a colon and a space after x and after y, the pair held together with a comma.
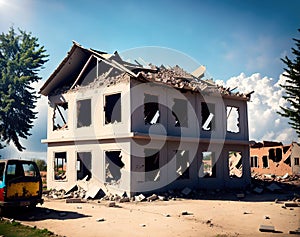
x: 235, y: 164
x: 208, y: 164
x: 112, y: 108
x: 180, y: 113
x: 182, y: 164
x: 84, y: 165
x: 275, y: 154
x: 233, y: 119
x: 208, y: 113
x: 113, y: 166
x: 60, y: 116
x: 265, y: 162
x: 152, y: 171
x: 60, y: 165
x: 296, y: 160
x: 288, y: 161
x: 151, y: 109
x: 83, y: 113
x: 254, y: 161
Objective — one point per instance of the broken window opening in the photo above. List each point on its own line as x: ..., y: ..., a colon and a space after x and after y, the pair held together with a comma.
x: 208, y: 164
x: 208, y: 116
x: 60, y: 165
x: 233, y: 119
x: 180, y: 113
x: 113, y: 166
x: 151, y: 109
x: 152, y: 171
x: 285, y: 149
x: 235, y: 164
x: 84, y: 118
x: 84, y: 165
x: 182, y: 164
x: 60, y: 116
x: 254, y: 161
x: 112, y: 108
x: 288, y: 161
x: 275, y: 154
x: 296, y: 161
x: 265, y: 162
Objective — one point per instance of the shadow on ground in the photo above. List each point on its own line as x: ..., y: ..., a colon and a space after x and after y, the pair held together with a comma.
x: 40, y: 213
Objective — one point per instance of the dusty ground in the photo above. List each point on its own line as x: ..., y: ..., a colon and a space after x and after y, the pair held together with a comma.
x: 163, y: 218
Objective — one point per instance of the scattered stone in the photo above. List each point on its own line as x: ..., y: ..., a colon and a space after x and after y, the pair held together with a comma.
x: 284, y: 207
x: 274, y: 187
x: 285, y: 176
x: 267, y: 217
x: 186, y: 213
x: 266, y: 228
x: 100, y: 220
x: 142, y: 225
x: 245, y: 213
x: 163, y: 198
x: 79, y: 207
x: 186, y: 191
x: 167, y: 215
x: 124, y: 199
x: 111, y: 204
x: 295, y: 232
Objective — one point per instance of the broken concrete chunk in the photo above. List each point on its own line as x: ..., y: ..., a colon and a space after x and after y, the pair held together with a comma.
x: 266, y: 228
x: 295, y: 232
x: 186, y: 213
x: 139, y: 198
x: 111, y: 204
x: 100, y: 220
x: 152, y: 198
x: 125, y: 199
x: 186, y: 191
x: 142, y: 225
x: 285, y: 176
x: 163, y: 198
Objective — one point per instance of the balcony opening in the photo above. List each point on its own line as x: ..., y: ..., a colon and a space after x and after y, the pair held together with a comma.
x: 112, y: 108
x: 151, y: 109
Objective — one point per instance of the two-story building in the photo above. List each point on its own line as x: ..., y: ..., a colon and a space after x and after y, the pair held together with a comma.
x: 137, y: 129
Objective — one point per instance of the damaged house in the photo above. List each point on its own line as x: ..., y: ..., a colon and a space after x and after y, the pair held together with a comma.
x: 274, y: 158
x: 134, y: 128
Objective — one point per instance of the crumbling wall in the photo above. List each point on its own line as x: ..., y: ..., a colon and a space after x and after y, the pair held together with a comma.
x: 295, y: 158
x: 272, y: 160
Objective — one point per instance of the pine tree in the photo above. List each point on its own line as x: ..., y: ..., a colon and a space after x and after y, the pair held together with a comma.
x: 21, y: 58
x: 292, y: 88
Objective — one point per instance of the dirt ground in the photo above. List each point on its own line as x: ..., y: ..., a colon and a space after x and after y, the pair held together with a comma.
x: 163, y: 218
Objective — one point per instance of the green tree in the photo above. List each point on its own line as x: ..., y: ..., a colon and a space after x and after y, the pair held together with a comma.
x: 41, y: 164
x: 292, y: 88
x: 21, y: 58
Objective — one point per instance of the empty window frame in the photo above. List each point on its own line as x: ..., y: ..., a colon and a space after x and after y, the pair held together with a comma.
x: 84, y: 113
x: 112, y: 108
x: 208, y: 164
x: 275, y: 154
x: 151, y: 109
x: 182, y: 164
x: 254, y: 161
x: 152, y: 168
x: 265, y: 161
x: 113, y: 166
x: 233, y: 119
x: 84, y: 165
x: 235, y: 164
x: 60, y: 116
x: 180, y: 113
x: 208, y: 116
x: 60, y: 165
x: 296, y: 161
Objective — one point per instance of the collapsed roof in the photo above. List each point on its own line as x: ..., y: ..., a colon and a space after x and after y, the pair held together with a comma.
x: 112, y: 68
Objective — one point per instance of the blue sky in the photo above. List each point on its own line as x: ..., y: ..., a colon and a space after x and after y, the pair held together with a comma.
x: 229, y: 37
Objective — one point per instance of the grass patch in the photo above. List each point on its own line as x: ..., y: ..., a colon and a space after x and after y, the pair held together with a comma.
x: 15, y: 229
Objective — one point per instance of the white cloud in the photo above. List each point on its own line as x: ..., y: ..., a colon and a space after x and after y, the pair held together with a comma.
x: 264, y: 121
